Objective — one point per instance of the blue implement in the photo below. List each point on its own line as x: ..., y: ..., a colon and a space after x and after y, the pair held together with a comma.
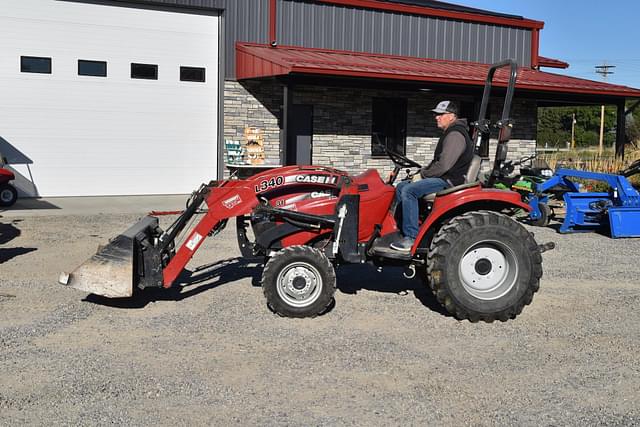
x: 618, y: 209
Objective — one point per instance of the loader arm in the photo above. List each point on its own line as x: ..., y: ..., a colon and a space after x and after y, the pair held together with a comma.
x: 232, y: 199
x: 145, y: 256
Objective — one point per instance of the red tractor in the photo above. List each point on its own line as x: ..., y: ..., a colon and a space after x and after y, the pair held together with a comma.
x: 306, y: 220
x: 8, y: 193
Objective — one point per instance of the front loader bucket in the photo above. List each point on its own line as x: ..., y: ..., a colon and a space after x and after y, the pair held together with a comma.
x: 120, y: 265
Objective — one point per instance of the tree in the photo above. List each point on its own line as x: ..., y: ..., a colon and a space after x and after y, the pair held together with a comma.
x: 554, y: 125
x: 632, y: 122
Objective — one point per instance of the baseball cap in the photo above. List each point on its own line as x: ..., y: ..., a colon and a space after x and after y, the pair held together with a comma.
x: 446, y: 107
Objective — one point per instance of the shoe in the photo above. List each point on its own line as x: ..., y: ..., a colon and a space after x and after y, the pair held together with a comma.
x: 404, y: 244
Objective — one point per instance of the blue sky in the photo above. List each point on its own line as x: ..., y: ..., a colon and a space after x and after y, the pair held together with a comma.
x: 584, y: 33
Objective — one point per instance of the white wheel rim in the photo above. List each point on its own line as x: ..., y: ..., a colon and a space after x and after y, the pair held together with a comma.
x: 299, y: 284
x: 6, y: 196
x: 488, y: 270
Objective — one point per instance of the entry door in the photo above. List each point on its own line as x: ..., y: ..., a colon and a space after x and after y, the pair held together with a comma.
x: 300, y: 144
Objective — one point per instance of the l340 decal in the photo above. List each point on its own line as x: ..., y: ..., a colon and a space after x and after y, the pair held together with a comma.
x: 277, y: 181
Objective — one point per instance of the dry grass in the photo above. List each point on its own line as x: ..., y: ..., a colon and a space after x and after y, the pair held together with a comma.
x: 589, y: 160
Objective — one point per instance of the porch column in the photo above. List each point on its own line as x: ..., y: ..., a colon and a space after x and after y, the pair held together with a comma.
x: 621, y: 135
x: 285, y: 119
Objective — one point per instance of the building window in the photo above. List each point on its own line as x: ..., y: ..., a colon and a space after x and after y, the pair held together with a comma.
x: 192, y: 74
x: 92, y: 68
x: 389, y: 125
x: 35, y: 64
x: 144, y: 71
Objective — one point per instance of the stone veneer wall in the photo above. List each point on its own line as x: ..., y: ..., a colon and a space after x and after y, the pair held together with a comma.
x: 254, y: 104
x: 342, y: 123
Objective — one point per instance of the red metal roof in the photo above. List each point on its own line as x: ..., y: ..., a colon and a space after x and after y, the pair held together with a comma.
x: 258, y: 60
x: 475, y: 16
x: 551, y: 63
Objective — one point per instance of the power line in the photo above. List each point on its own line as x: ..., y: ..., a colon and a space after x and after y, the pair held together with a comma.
x: 603, y: 70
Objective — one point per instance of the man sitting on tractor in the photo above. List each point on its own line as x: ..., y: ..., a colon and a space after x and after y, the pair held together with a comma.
x: 451, y: 159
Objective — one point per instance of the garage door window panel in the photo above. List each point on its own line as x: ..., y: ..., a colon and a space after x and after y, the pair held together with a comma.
x: 192, y: 74
x: 35, y: 64
x: 144, y: 71
x: 92, y: 68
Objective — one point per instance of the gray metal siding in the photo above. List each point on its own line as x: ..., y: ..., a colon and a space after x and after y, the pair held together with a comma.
x: 247, y: 21
x: 309, y: 24
x: 303, y: 23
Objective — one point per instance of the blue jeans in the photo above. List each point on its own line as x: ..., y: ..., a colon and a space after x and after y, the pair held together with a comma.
x: 407, y: 195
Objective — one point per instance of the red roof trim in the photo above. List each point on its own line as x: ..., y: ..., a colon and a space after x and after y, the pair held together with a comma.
x: 552, y: 63
x: 259, y: 60
x: 427, y: 11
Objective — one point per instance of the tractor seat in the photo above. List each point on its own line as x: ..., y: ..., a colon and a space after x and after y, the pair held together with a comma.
x: 470, y: 180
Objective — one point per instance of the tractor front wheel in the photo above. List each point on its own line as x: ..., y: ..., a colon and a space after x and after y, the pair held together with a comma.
x: 299, y: 281
x: 484, y: 266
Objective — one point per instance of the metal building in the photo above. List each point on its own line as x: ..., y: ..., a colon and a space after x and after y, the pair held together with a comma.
x: 139, y: 96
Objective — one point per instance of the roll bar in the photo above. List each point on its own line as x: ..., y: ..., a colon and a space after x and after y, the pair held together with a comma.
x: 505, y: 124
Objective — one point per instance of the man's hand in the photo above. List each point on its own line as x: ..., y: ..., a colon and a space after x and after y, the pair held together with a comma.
x: 416, y: 177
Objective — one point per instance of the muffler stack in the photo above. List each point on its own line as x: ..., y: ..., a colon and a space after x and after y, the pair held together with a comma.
x: 131, y: 259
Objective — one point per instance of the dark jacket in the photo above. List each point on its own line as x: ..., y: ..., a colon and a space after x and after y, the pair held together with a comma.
x: 453, y: 154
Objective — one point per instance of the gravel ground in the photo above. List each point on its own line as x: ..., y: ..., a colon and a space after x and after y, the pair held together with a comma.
x: 212, y: 353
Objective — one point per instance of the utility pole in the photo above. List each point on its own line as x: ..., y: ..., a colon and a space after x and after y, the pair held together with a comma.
x: 573, y: 131
x: 603, y: 70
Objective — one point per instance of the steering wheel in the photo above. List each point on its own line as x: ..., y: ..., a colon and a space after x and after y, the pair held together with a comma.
x: 400, y: 160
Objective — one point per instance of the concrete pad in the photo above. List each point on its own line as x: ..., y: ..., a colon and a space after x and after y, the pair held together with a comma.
x: 94, y: 205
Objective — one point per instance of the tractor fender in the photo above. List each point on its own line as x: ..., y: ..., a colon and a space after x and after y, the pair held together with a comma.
x: 6, y: 175
x: 470, y: 199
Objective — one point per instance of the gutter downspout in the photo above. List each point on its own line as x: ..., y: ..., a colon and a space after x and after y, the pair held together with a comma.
x: 272, y: 23
x: 535, y: 48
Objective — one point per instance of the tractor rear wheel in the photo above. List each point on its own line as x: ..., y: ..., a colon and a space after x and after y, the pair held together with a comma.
x: 484, y: 266
x: 299, y: 281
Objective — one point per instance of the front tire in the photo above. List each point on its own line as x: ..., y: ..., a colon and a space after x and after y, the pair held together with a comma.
x: 484, y: 266
x: 299, y: 281
x: 545, y: 216
x: 8, y: 195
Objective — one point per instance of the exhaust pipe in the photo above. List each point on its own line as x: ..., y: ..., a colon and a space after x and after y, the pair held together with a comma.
x: 130, y: 259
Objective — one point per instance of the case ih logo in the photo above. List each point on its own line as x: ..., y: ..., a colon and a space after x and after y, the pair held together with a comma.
x: 317, y: 179
x: 233, y: 201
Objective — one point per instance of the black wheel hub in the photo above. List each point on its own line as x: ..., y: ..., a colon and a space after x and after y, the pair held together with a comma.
x: 299, y: 283
x: 483, y: 267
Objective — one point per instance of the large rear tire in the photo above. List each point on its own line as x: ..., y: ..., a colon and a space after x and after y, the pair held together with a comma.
x: 299, y: 281
x: 484, y: 266
x: 8, y: 195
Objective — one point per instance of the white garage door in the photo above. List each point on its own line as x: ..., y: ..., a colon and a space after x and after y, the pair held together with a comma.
x: 143, y: 129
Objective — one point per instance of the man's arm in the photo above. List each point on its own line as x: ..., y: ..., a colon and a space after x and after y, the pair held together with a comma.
x: 452, y: 148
